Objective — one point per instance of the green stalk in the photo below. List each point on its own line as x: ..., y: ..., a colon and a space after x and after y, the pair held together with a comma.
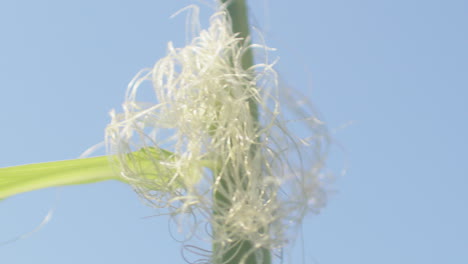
x: 240, y: 25
x: 238, y: 250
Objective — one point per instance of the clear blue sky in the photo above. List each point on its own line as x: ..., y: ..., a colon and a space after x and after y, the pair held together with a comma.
x: 396, y: 71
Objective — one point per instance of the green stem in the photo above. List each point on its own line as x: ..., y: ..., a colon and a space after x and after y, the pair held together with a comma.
x: 240, y: 25
x: 238, y: 250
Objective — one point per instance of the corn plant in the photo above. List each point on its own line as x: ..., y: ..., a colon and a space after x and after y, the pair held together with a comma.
x: 215, y: 145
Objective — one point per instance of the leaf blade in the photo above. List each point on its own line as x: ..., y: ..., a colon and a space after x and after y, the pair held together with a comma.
x: 30, y: 177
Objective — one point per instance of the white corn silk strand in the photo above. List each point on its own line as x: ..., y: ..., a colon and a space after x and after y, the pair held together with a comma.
x: 202, y: 117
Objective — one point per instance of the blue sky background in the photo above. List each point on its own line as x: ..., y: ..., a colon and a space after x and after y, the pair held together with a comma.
x: 390, y: 78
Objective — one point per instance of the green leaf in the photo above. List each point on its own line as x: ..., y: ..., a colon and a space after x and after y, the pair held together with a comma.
x: 25, y: 178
